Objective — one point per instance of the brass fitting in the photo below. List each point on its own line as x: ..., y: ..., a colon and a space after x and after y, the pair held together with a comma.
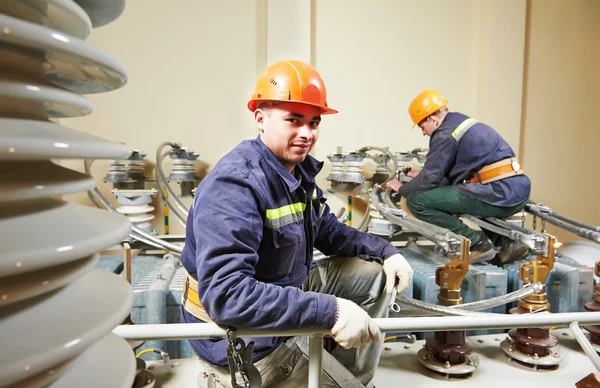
x: 597, y: 285
x: 450, y: 276
x: 537, y: 271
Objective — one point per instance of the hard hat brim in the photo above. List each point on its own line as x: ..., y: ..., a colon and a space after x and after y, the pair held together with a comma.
x: 254, y: 103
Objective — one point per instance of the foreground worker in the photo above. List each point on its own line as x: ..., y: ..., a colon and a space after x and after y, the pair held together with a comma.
x: 470, y: 169
x: 249, y: 246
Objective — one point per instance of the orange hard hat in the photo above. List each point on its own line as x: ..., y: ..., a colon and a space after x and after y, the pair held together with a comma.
x: 425, y: 104
x: 291, y: 81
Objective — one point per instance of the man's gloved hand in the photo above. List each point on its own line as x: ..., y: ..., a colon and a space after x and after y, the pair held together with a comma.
x: 353, y: 326
x: 396, y: 267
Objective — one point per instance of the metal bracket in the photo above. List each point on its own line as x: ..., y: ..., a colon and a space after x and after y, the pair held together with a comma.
x: 239, y: 360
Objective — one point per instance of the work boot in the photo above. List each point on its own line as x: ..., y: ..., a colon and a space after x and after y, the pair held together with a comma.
x: 482, y: 250
x: 511, y: 251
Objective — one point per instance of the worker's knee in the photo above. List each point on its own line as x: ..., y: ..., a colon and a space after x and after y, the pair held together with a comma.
x: 362, y: 281
x: 415, y: 202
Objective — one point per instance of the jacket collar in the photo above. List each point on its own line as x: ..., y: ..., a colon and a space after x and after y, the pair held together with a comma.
x: 308, y: 169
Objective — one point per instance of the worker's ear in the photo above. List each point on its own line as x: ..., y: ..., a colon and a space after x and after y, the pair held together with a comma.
x: 260, y: 119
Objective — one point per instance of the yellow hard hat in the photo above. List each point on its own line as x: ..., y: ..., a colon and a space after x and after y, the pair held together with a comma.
x: 425, y: 104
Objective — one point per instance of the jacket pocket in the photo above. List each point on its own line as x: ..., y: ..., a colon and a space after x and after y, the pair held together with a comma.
x: 288, y: 235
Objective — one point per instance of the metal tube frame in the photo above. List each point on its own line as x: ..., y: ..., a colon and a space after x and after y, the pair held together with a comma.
x: 585, y: 344
x: 187, y: 331
x: 450, y: 242
x: 549, y: 215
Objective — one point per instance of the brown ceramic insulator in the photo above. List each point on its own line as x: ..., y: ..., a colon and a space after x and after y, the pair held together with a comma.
x: 592, y: 306
x: 589, y: 381
x: 533, y: 340
x: 594, y: 333
x: 449, y: 346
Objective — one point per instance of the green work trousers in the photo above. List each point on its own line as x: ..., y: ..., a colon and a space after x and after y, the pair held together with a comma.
x: 442, y: 206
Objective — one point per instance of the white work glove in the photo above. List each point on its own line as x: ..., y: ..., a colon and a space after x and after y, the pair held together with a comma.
x: 396, y: 267
x: 353, y: 326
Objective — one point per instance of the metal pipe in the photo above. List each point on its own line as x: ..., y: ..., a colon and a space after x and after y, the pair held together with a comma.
x: 585, y: 344
x: 581, y: 232
x: 575, y: 222
x: 187, y: 331
x: 315, y: 361
x: 551, y: 212
x: 136, y: 229
x: 491, y: 227
x: 161, y: 175
x: 162, y: 184
x: 442, y: 237
x: 340, y: 213
x: 137, y: 233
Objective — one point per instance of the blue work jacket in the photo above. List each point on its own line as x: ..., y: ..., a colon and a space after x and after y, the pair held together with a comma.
x: 249, y: 242
x: 457, y: 151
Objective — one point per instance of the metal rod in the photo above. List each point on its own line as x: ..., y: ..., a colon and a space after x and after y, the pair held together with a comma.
x: 575, y: 222
x: 585, y: 345
x: 186, y: 331
x: 582, y: 232
x: 315, y: 361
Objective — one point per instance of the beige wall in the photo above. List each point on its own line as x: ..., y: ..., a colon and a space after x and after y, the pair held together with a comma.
x: 192, y: 68
x: 562, y: 90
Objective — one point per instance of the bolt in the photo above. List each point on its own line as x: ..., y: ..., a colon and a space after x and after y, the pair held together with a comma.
x: 446, y: 276
x: 470, y: 362
x: 529, y: 271
x: 151, y: 367
x: 445, y: 285
x: 536, y: 356
x: 386, y: 348
x: 406, y: 347
x: 565, y: 334
x: 556, y: 355
x: 498, y: 339
x: 480, y: 341
x: 511, y: 348
x: 447, y: 364
x: 286, y: 369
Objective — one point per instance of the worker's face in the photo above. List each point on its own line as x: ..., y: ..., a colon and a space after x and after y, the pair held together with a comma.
x: 429, y: 125
x: 290, y: 130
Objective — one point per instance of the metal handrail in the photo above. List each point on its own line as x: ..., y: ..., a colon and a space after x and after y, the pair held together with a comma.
x: 188, y: 331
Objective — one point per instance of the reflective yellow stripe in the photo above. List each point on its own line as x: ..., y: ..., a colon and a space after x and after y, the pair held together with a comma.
x: 273, y: 214
x: 468, y: 123
x: 314, y: 193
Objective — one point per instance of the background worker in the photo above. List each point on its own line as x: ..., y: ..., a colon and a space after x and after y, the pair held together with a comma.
x: 470, y: 169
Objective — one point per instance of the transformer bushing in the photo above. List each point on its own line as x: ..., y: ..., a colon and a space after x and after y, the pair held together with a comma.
x: 449, y: 352
x: 534, y: 347
x: 594, y: 305
x: 137, y: 207
x: 381, y: 173
x: 352, y: 168
x: 337, y: 167
x: 183, y: 171
x: 127, y: 174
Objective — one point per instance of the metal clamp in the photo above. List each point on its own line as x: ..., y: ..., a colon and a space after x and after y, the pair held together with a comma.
x: 239, y: 359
